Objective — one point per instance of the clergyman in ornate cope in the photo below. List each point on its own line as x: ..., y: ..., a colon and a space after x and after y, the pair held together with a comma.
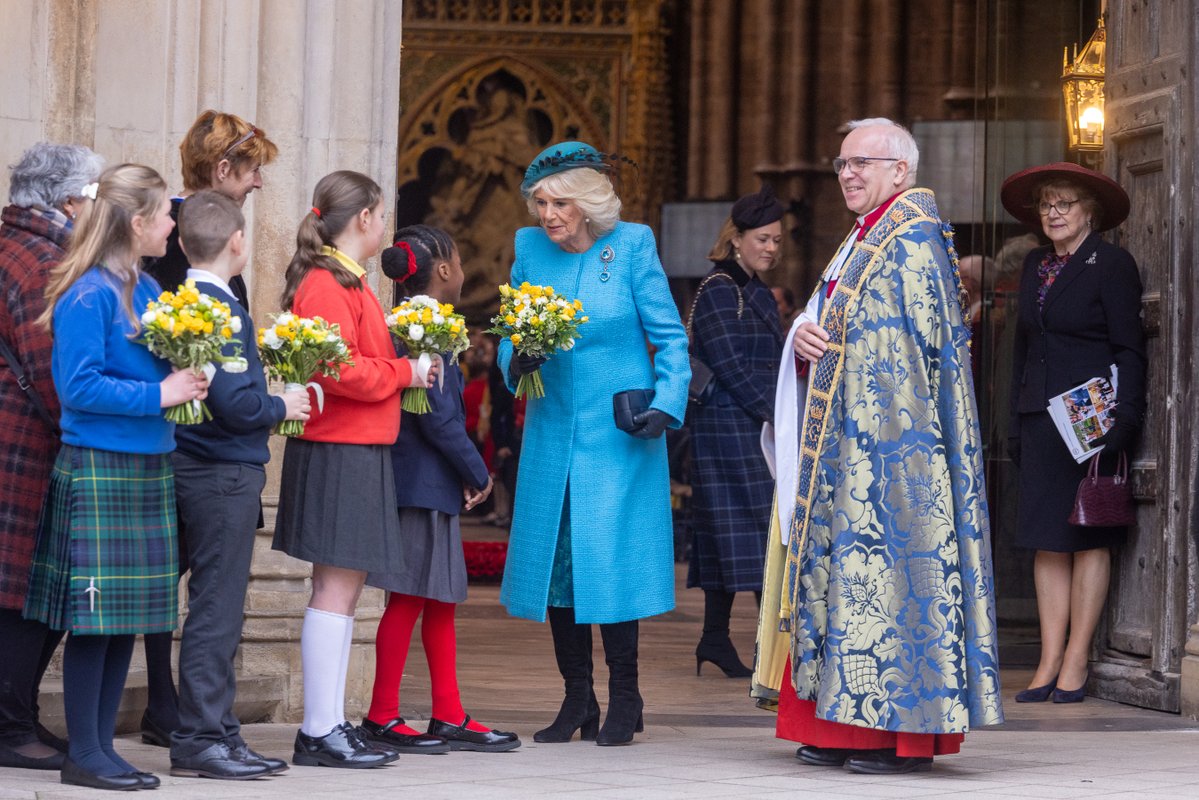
x: 877, y: 633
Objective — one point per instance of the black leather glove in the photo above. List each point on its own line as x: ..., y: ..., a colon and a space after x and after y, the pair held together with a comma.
x: 1013, y: 449
x: 1118, y: 440
x: 651, y: 423
x: 524, y: 365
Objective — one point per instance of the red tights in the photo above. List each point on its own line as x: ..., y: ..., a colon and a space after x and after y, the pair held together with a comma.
x: 391, y: 653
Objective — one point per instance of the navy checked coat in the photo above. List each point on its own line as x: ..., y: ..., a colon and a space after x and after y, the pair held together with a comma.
x: 732, y: 489
x: 30, y: 244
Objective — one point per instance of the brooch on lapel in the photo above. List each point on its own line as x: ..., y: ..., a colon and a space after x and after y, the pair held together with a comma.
x: 607, y: 255
x: 1091, y: 260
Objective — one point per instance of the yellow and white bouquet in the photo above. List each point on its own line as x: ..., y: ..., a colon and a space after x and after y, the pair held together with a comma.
x: 189, y: 329
x: 539, y: 322
x: 294, y: 349
x: 427, y: 328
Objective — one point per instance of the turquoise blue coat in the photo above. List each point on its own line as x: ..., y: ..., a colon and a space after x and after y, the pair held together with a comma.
x: 619, y: 511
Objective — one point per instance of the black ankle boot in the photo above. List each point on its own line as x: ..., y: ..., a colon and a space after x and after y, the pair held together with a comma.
x: 580, y: 710
x: 624, y: 699
x: 715, y: 644
x: 722, y: 654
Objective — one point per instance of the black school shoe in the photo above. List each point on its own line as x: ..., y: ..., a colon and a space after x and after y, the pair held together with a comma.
x: 218, y: 762
x: 75, y: 775
x: 343, y: 747
x: 460, y: 737
x: 11, y: 758
x: 885, y: 762
x: 242, y: 752
x: 406, y: 743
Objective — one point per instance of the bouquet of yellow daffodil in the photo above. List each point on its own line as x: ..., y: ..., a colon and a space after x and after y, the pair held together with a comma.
x: 427, y: 328
x: 538, y: 322
x: 189, y: 329
x: 294, y: 349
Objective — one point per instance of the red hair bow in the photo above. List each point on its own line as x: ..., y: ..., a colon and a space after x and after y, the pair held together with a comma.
x: 411, y: 258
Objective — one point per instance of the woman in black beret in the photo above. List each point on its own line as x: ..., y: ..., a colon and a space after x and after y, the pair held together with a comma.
x: 734, y: 328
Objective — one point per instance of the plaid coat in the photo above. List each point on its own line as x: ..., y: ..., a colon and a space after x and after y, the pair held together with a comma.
x: 31, y: 242
x: 731, y: 484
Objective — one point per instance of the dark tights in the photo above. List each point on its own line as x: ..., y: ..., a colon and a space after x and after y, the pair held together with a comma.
x: 93, y: 677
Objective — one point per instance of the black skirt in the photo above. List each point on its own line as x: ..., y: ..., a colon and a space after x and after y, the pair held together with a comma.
x: 337, y: 506
x: 1049, y: 479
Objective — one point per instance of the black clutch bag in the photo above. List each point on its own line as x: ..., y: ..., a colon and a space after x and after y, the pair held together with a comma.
x: 628, y: 404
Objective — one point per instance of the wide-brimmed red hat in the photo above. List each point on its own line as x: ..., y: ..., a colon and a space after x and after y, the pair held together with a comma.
x: 1017, y: 193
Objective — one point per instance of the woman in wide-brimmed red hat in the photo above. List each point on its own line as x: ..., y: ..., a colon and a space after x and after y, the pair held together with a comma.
x: 1078, y: 319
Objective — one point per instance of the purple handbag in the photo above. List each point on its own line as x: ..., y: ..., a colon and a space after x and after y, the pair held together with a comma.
x: 1104, y: 501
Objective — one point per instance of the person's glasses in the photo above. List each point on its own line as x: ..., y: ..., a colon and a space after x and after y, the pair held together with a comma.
x: 247, y: 136
x: 1061, y: 207
x: 856, y: 163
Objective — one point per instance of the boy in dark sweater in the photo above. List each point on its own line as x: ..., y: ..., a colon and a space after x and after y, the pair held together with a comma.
x: 219, y: 477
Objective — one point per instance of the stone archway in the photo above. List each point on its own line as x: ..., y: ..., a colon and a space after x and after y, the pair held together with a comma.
x: 464, y: 148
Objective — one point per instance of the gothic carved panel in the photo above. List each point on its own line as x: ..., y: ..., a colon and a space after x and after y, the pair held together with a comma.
x: 554, y: 70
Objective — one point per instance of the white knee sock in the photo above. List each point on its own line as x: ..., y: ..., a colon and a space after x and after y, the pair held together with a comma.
x: 345, y: 668
x: 321, y: 652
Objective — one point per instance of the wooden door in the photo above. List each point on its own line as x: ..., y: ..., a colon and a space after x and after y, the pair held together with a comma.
x: 1150, y: 107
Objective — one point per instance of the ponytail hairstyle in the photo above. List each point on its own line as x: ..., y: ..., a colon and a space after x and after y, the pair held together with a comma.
x: 336, y: 201
x: 430, y: 247
x: 103, y: 234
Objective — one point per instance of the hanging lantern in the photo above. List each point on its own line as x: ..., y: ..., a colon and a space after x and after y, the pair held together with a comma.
x: 1082, y: 88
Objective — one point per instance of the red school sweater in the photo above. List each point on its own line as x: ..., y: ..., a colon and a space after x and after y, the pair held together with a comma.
x: 364, y: 406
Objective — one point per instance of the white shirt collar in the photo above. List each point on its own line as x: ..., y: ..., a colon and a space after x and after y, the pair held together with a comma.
x: 204, y: 275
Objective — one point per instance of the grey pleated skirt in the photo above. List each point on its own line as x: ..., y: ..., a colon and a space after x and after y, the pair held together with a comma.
x: 434, y: 565
x: 337, y: 506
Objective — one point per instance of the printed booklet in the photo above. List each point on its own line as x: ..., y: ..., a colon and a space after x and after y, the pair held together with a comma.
x: 1085, y: 413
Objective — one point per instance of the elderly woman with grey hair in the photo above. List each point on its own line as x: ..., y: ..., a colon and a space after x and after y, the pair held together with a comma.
x: 47, y: 186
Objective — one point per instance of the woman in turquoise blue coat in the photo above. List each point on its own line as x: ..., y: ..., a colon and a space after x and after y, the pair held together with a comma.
x: 592, y: 537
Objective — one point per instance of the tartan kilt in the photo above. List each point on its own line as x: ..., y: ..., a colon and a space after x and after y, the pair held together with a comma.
x: 106, y: 559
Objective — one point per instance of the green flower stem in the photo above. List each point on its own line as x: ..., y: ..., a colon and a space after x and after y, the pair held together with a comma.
x: 290, y: 427
x: 530, y: 385
x: 416, y: 401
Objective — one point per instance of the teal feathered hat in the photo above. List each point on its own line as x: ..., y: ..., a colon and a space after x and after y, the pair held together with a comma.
x: 567, y: 155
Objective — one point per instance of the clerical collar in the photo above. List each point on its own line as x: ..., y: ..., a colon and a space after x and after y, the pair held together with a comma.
x: 866, y: 221
x: 341, y: 258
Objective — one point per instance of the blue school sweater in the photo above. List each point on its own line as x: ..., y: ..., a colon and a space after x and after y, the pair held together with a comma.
x: 107, y: 383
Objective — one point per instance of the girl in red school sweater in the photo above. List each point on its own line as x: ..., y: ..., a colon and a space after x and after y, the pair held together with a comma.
x: 337, y: 498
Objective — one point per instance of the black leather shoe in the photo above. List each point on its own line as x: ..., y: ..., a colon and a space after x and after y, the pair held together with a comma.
x: 148, y: 779
x: 460, y: 737
x: 75, y: 775
x: 885, y: 762
x: 153, y: 733
x: 342, y: 747
x: 825, y: 756
x: 242, y: 752
x: 47, y: 737
x: 415, y: 744
x: 11, y: 758
x: 218, y: 762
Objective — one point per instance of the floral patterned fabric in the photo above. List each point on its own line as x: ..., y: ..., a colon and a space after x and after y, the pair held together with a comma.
x: 887, y: 589
x: 1047, y: 271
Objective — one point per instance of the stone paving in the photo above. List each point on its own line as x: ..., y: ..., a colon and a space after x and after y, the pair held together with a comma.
x: 703, y: 737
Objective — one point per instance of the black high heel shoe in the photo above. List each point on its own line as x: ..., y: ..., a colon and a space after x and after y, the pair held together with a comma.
x: 723, y: 655
x: 1037, y: 694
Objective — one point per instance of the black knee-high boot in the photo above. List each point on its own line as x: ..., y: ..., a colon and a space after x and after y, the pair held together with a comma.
x: 572, y: 649
x: 715, y: 644
x: 624, y: 699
